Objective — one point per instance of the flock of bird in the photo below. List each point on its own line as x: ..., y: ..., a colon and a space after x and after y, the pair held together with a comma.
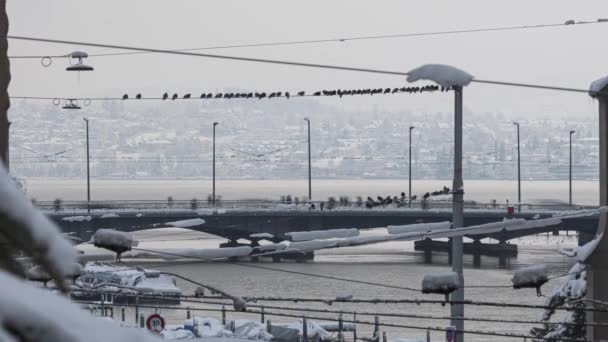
x: 287, y: 95
x: 380, y: 201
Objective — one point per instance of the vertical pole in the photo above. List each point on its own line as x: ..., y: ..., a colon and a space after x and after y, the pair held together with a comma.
x: 597, y: 268
x: 262, y: 319
x: 5, y: 79
x: 213, y: 191
x: 136, y: 309
x: 458, y: 216
x: 122, y: 314
x: 355, y: 326
x: 88, y: 168
x: 304, y: 329
x: 223, y: 315
x: 340, y: 328
x: 518, y: 170
x: 410, y: 169
x: 570, y: 175
x: 376, y: 334
x: 269, y: 326
x: 309, y: 163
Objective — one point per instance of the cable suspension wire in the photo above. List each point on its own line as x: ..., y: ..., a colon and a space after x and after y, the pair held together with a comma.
x: 333, y: 40
x: 273, y: 61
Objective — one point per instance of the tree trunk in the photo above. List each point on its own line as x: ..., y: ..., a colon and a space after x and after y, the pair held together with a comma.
x: 5, y: 79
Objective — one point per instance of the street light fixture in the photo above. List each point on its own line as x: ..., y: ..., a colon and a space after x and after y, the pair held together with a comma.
x: 518, y: 170
x: 88, y: 168
x: 79, y: 66
x: 309, y: 163
x: 570, y: 173
x: 213, y: 193
x: 410, y: 168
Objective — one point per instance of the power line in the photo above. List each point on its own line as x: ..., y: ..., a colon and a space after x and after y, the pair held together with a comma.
x: 333, y: 40
x: 278, y: 62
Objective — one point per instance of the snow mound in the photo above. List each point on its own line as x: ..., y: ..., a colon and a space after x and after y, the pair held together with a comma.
x: 60, y: 320
x: 314, y: 329
x: 444, y: 75
x: 584, y: 252
x: 76, y: 218
x: 532, y: 276
x: 113, y: 240
x: 597, y: 86
x: 309, y: 246
x: 186, y: 223
x: 114, y: 278
x: 109, y: 215
x: 205, y: 254
x: 419, y: 227
x: 440, y: 282
x: 322, y: 234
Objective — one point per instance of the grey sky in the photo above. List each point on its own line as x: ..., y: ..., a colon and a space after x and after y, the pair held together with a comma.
x: 568, y: 56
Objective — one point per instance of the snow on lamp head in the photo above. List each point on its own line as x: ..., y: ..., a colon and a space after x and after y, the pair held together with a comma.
x: 443, y: 75
x: 79, y: 66
x: 598, y: 86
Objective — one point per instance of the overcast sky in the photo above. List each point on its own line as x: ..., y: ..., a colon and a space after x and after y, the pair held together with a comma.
x: 569, y: 56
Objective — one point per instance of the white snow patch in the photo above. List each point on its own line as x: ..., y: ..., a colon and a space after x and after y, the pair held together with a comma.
x: 109, y: 215
x: 114, y: 277
x: 313, y: 329
x: 323, y: 234
x: 440, y: 282
x: 419, y: 227
x: 76, y: 218
x: 309, y: 246
x: 532, y: 275
x: 271, y: 247
x: 187, y: 223
x: 139, y: 215
x: 444, y: 75
x: 205, y: 254
x: 597, y: 85
x: 112, y: 238
x: 401, y: 339
x: 262, y: 235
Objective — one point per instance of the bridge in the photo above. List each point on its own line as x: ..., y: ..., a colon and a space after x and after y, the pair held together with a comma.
x: 241, y: 220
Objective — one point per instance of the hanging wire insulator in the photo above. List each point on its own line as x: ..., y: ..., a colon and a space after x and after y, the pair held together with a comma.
x: 46, y: 62
x: 56, y: 102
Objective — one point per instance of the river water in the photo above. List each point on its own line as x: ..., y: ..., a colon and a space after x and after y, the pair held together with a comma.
x: 393, y: 263
x: 533, y: 192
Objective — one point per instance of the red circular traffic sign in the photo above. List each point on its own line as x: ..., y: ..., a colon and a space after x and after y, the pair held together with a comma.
x: 155, y: 323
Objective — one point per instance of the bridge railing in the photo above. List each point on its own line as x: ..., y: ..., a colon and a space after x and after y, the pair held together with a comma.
x: 181, y: 205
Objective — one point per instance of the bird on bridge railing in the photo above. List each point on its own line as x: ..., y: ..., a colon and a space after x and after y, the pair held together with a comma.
x: 174, y: 97
x: 138, y: 96
x: 165, y: 96
x: 125, y: 96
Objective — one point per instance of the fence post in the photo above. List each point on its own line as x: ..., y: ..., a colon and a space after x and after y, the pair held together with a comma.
x: 223, y: 315
x: 355, y: 326
x: 262, y: 314
x: 141, y: 321
x: 103, y: 307
x: 122, y: 311
x: 136, y: 309
x: 233, y: 326
x: 340, y: 328
x: 384, y: 336
x: 269, y: 326
x: 188, y: 313
x: 304, y: 329
x: 428, y: 336
x: 376, y: 335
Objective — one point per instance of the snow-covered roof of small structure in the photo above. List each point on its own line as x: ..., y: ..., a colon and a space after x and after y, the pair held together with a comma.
x: 597, y: 86
x: 99, y: 274
x: 444, y: 75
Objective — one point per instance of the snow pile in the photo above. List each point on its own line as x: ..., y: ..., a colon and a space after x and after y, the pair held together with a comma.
x: 186, y: 223
x: 419, y: 227
x: 532, y: 276
x: 55, y: 318
x: 205, y: 254
x: 109, y: 215
x: 322, y: 234
x: 309, y: 246
x: 177, y: 334
x: 440, y: 282
x: 76, y: 218
x: 444, y: 75
x: 207, y: 212
x: 253, y: 330
x: 597, y: 86
x: 114, y: 277
x: 269, y: 247
x: 113, y: 240
x: 207, y: 327
x: 33, y: 232
x: 314, y: 329
x: 262, y: 236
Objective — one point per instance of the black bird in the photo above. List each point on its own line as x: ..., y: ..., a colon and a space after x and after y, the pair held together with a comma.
x: 174, y: 97
x: 209, y: 95
x: 218, y: 95
x: 301, y: 93
x: 414, y: 197
x: 427, y: 195
x: 250, y: 95
x: 262, y: 95
x: 402, y: 194
x: 271, y: 95
x: 446, y: 190
x: 187, y: 96
x: 387, y: 90
x: 395, y: 90
x: 203, y: 96
x: 287, y: 95
x: 165, y: 96
x: 138, y: 96
x: 318, y: 93
x: 125, y: 96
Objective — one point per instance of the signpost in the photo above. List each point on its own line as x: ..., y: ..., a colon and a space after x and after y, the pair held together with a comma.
x: 155, y: 323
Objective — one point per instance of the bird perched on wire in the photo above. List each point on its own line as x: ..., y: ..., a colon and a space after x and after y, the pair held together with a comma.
x: 287, y: 95
x: 125, y: 96
x: 174, y: 97
x: 301, y: 93
x: 187, y: 96
x: 165, y: 96
x: 203, y: 96
x: 138, y: 96
x: 218, y: 95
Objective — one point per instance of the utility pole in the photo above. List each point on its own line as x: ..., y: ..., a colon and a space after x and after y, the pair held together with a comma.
x: 5, y: 79
x: 309, y: 163
x: 88, y: 168
x: 458, y: 217
x: 570, y: 173
x: 518, y: 170
x: 597, y: 264
x: 410, y: 167
x: 213, y: 191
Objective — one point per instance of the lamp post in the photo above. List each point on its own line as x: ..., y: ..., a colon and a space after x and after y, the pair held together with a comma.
x: 518, y: 170
x: 570, y: 171
x: 213, y: 190
x: 309, y: 163
x: 410, y: 169
x: 88, y: 168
